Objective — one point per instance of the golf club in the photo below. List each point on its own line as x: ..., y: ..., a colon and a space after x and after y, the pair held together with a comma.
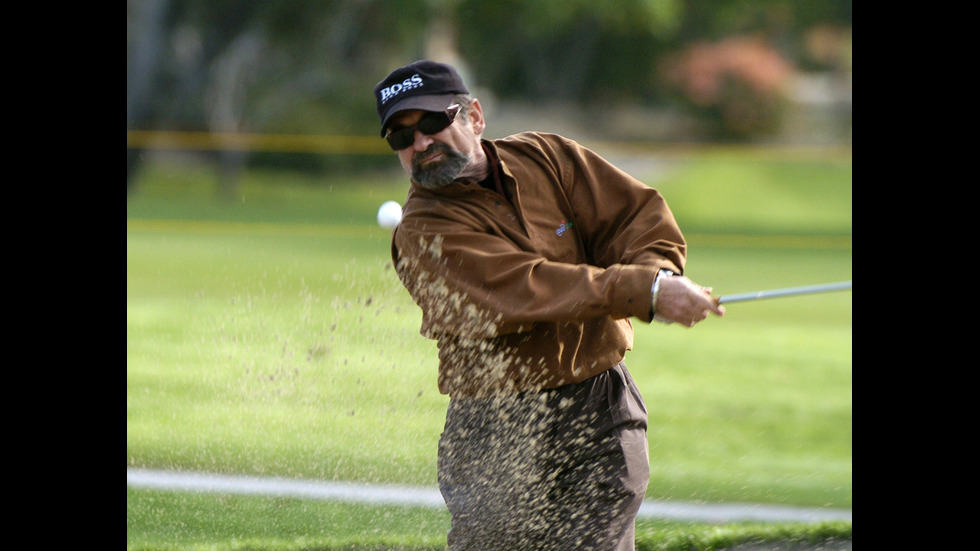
x: 788, y: 291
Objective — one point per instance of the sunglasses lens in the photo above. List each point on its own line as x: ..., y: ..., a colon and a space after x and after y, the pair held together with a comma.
x: 436, y: 122
x: 429, y: 124
x: 400, y: 139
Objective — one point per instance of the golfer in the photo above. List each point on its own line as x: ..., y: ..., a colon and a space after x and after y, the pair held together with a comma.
x: 529, y: 257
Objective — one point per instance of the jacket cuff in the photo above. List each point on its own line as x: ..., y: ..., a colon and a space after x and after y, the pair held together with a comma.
x: 632, y: 292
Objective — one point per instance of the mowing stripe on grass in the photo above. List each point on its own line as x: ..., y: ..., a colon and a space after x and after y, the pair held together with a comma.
x: 757, y: 241
x: 212, y: 227
x: 379, y: 494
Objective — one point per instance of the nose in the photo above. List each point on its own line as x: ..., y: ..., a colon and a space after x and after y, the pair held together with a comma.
x: 422, y: 141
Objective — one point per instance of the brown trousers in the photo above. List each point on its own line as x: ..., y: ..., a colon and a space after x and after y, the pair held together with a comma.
x: 560, y: 469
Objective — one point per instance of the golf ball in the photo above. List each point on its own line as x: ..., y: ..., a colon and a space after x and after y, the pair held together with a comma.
x: 390, y: 214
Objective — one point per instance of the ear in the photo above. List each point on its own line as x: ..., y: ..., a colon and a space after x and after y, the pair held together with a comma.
x: 474, y: 116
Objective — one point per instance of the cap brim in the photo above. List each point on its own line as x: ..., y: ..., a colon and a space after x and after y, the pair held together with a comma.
x: 435, y: 102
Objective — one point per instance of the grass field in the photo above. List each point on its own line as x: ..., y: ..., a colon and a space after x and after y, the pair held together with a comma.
x: 270, y: 336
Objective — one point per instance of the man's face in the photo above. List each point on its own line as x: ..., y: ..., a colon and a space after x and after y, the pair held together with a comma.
x: 436, y: 160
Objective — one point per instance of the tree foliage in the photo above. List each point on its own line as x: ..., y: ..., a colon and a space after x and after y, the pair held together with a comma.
x: 308, y: 66
x: 335, y: 50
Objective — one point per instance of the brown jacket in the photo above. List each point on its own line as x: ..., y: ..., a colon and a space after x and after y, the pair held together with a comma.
x: 534, y: 290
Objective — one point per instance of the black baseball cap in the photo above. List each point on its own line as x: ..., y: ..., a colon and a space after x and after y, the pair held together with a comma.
x: 424, y: 85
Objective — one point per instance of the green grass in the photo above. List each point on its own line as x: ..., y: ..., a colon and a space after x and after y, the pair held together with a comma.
x: 725, y: 192
x: 173, y: 521
x: 158, y: 520
x: 270, y: 336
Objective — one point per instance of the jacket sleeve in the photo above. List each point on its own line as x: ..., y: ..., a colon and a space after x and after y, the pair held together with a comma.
x: 474, y: 284
x: 622, y: 220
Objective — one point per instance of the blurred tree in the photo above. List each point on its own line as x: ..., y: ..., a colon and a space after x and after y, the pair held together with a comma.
x: 734, y: 60
x: 534, y: 47
x: 145, y: 37
x: 783, y: 23
x: 257, y: 66
x: 571, y: 50
x: 307, y: 66
x: 737, y: 85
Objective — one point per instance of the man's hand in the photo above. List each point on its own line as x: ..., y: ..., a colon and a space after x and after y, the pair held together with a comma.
x: 680, y: 300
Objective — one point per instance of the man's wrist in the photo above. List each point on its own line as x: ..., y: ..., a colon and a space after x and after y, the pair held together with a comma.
x: 655, y: 294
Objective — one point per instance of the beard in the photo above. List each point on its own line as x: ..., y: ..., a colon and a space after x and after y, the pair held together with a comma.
x: 438, y: 173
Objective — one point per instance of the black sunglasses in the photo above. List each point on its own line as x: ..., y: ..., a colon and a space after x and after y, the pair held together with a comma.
x: 428, y: 125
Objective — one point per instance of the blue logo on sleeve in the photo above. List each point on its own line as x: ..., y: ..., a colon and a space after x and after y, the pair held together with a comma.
x: 563, y: 228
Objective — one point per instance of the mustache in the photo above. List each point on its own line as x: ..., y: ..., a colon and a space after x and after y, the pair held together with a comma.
x: 442, y: 171
x: 434, y: 148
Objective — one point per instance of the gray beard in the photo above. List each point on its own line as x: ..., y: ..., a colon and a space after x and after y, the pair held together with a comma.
x: 440, y: 173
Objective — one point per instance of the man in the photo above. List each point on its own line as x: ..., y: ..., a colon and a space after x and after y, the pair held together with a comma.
x: 528, y: 256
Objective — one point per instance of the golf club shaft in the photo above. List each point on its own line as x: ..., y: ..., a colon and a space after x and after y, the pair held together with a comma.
x: 789, y: 291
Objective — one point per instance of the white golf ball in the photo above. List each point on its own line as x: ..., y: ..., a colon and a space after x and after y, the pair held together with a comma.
x: 390, y: 214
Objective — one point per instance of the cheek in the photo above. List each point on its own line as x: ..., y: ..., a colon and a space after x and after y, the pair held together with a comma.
x: 461, y: 140
x: 405, y: 158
